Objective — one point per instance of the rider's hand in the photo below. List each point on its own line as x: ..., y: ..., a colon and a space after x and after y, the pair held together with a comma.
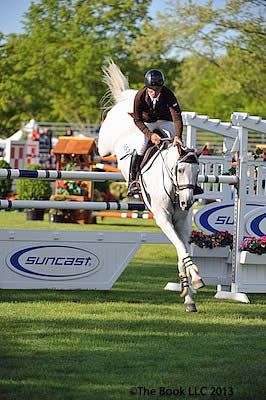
x: 155, y: 138
x: 177, y: 140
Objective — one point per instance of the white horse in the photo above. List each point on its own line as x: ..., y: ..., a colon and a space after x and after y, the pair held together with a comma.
x: 167, y: 181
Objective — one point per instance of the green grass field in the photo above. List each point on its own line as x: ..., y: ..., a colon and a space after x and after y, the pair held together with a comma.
x: 132, y: 342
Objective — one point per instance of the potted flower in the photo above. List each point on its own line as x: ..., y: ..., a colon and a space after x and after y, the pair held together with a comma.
x: 55, y: 214
x: 253, y: 251
x: 73, y: 188
x: 212, y: 254
x: 33, y: 190
x: 252, y: 266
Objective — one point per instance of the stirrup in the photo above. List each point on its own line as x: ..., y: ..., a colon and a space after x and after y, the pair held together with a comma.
x: 133, y: 188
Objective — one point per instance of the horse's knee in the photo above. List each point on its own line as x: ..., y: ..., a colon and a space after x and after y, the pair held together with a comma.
x: 162, y: 219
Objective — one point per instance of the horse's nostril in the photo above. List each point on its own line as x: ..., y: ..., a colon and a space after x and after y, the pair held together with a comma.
x: 183, y: 204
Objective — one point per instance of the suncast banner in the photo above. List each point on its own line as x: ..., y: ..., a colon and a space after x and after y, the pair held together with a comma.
x: 219, y: 217
x: 53, y: 262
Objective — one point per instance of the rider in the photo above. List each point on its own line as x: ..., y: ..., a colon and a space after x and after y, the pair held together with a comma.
x: 155, y: 107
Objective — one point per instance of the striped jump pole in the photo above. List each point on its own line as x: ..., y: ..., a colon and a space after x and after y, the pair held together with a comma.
x: 71, y: 205
x: 53, y: 175
x: 121, y: 215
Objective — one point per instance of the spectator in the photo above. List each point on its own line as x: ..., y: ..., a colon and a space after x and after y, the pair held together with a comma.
x: 207, y: 150
x: 68, y: 132
x: 35, y: 134
x: 48, y: 137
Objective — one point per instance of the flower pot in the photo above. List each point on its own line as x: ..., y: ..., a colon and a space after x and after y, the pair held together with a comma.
x: 34, y: 215
x: 80, y: 216
x: 214, y: 264
x: 56, y: 218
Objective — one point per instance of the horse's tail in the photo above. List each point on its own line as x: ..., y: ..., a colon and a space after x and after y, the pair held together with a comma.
x: 115, y: 80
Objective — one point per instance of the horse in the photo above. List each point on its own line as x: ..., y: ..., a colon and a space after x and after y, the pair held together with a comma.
x: 167, y: 180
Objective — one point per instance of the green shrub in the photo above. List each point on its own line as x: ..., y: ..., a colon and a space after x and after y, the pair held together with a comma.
x: 5, y: 184
x: 33, y: 189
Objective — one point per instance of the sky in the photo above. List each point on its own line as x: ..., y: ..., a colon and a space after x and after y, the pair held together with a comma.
x: 11, y: 12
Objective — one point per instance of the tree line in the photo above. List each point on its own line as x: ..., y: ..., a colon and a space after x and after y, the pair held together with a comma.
x: 212, y: 57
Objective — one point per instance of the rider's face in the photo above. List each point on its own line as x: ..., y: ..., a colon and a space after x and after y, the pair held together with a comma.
x: 153, y: 93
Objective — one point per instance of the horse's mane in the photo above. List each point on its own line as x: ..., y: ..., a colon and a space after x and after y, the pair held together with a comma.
x: 117, y: 84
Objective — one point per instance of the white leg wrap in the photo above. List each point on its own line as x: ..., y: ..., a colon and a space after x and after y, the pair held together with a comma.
x: 191, y: 269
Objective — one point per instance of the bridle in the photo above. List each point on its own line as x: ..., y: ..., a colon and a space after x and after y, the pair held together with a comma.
x: 189, y: 157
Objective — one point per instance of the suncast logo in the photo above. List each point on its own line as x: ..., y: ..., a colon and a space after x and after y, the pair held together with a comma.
x: 219, y: 217
x: 53, y: 262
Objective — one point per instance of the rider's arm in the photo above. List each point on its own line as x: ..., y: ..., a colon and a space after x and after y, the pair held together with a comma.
x: 137, y: 114
x: 176, y: 116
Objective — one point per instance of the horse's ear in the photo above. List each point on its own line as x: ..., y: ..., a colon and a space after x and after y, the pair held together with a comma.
x: 181, y: 149
x: 199, y: 152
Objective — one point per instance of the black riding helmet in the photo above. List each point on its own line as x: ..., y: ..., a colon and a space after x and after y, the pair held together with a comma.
x: 154, y: 79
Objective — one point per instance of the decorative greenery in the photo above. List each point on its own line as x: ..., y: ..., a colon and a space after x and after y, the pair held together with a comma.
x: 5, y: 184
x: 118, y: 190
x: 55, y: 211
x: 74, y: 188
x: 253, y: 245
x: 203, y: 240
x: 259, y: 153
x: 33, y: 189
x: 231, y: 171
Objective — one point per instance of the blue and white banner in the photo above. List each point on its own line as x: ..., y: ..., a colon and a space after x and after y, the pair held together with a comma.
x: 219, y: 217
x: 53, y: 262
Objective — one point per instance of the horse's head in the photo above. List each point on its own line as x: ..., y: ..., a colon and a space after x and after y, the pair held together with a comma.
x: 185, y: 174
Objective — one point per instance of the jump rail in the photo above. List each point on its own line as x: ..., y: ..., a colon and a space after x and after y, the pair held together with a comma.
x: 70, y: 205
x: 94, y: 176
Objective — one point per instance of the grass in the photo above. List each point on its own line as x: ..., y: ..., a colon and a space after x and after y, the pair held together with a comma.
x: 128, y: 342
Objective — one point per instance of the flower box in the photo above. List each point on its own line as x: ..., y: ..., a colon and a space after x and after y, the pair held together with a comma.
x: 251, y: 275
x: 215, y: 266
x: 251, y: 258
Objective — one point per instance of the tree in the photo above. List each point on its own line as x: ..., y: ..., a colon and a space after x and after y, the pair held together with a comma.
x: 53, y: 71
x: 229, y: 42
x: 222, y: 52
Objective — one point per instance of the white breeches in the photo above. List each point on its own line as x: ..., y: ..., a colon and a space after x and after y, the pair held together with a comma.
x: 141, y: 141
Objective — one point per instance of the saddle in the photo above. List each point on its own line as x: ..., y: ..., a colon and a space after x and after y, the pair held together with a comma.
x: 152, y: 148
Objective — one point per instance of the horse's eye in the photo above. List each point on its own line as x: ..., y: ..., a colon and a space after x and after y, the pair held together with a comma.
x: 180, y: 170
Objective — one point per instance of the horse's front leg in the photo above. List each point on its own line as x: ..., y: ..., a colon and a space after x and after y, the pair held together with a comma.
x: 182, y: 225
x: 164, y: 219
x: 183, y: 228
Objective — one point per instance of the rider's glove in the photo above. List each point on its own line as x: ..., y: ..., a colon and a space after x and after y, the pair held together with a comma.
x: 155, y: 138
x: 177, y: 139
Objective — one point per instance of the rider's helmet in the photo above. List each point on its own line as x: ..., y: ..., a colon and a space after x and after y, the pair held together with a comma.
x: 154, y: 79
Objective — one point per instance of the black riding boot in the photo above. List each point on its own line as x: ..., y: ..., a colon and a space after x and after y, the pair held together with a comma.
x: 134, y: 167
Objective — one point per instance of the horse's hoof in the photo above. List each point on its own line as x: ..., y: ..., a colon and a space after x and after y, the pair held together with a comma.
x: 190, y: 307
x: 198, y: 284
